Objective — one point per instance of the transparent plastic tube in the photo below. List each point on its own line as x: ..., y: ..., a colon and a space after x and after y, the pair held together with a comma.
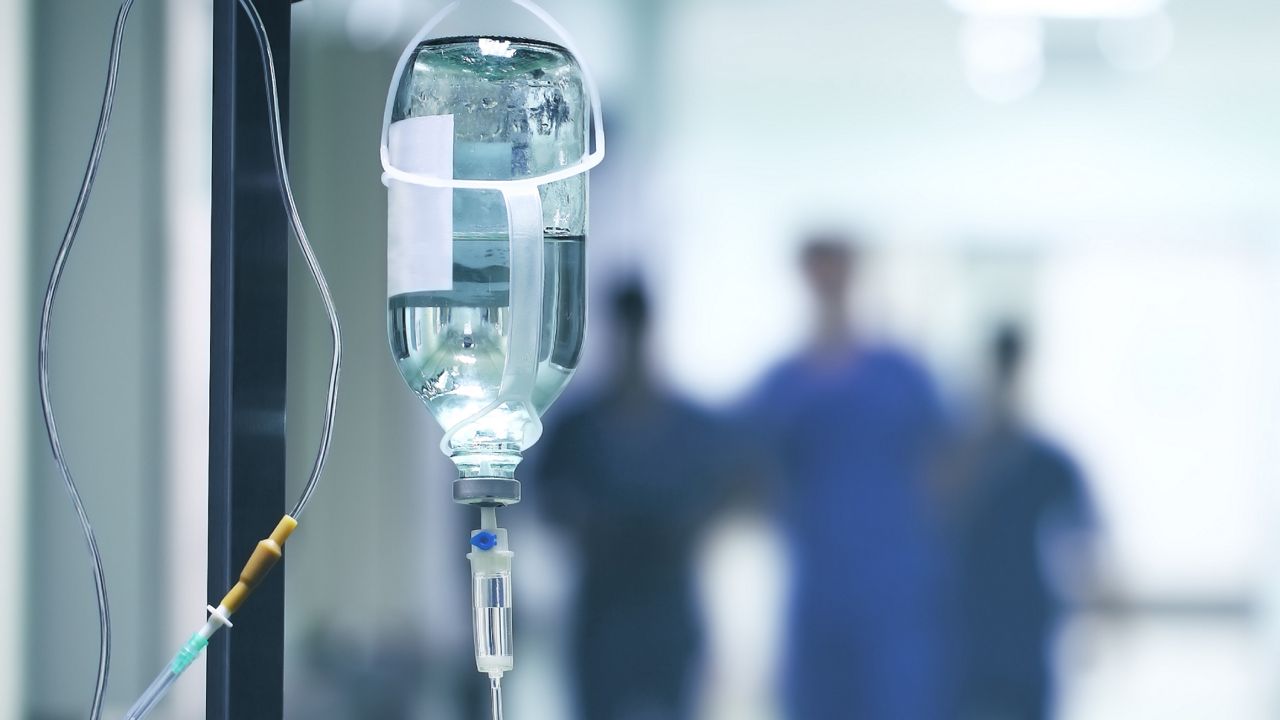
x: 42, y: 359
x: 491, y: 603
x: 194, y: 646
x: 524, y: 221
x: 159, y: 687
x: 520, y: 372
x: 308, y: 254
x: 153, y: 694
x: 495, y: 693
x: 494, y: 638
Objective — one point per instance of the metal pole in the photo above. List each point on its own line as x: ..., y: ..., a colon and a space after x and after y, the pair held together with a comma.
x: 250, y: 243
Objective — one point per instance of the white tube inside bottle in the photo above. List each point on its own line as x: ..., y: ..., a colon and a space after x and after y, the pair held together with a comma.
x: 520, y: 370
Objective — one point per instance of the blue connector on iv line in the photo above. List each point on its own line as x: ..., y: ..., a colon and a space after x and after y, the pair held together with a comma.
x: 188, y: 653
x: 267, y: 553
x: 491, y: 604
x: 484, y: 540
x: 219, y: 617
x: 159, y: 687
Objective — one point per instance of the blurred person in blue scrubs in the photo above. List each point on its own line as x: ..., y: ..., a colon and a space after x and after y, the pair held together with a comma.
x: 852, y: 427
x: 631, y: 476
x: 1020, y: 522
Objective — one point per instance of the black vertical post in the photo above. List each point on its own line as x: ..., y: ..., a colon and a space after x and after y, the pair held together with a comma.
x: 247, y: 363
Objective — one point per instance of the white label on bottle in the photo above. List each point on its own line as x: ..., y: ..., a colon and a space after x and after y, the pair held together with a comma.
x: 419, y: 218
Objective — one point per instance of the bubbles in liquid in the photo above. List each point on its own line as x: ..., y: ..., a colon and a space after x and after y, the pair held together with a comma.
x: 451, y: 346
x: 515, y: 115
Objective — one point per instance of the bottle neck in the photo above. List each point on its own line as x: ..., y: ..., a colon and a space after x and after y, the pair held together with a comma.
x: 487, y: 478
x: 491, y: 461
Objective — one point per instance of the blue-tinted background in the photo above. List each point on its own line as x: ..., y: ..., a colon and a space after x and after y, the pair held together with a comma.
x: 1104, y: 176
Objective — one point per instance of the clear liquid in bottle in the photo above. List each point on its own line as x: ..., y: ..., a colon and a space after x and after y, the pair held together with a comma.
x: 451, y: 346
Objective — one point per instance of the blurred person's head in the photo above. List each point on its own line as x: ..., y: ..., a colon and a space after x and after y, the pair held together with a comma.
x: 829, y: 260
x: 630, y: 310
x: 1008, y: 352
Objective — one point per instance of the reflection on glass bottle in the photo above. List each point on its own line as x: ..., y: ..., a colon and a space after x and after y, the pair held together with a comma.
x: 518, y: 110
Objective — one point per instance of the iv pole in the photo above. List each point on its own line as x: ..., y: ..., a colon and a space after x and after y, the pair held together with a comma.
x: 247, y: 370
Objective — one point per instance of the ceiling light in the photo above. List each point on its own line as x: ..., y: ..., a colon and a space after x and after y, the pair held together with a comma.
x: 1059, y: 8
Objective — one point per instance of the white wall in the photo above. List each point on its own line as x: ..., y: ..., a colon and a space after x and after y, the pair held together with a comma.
x: 14, y: 378
x: 765, y: 137
x: 188, y: 149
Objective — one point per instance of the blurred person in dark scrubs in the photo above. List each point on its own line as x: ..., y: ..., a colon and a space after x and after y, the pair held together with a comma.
x: 631, y: 477
x: 1020, y: 523
x: 852, y: 427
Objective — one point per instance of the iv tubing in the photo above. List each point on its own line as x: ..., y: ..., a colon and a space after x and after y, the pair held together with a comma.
x: 313, y: 265
x: 159, y: 687
x: 270, y: 550
x: 520, y: 371
x: 42, y: 361
x: 264, y: 558
x: 491, y: 603
x: 495, y: 693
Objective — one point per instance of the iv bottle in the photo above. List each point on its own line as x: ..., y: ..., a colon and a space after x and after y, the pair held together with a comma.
x: 486, y: 109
